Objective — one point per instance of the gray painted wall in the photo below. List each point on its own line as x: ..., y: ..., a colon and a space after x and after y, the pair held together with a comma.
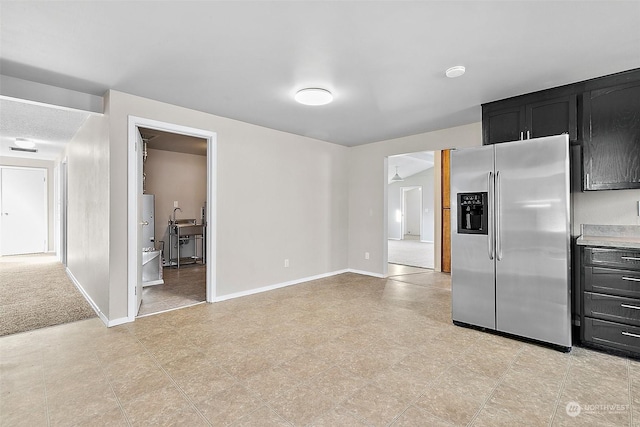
x: 88, y: 241
x: 280, y: 196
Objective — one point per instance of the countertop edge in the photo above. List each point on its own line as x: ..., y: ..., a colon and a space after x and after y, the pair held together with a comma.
x: 609, y: 241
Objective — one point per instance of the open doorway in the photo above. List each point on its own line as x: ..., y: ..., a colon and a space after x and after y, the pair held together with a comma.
x: 171, y: 220
x: 410, y: 205
x: 174, y: 209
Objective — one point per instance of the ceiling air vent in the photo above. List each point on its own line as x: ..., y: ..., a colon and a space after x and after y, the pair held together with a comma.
x: 26, y: 150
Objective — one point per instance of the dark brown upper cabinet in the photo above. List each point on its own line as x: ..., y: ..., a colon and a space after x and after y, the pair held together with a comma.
x: 611, y: 146
x: 532, y: 116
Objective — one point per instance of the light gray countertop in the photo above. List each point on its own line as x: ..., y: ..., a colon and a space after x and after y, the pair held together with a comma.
x: 615, y: 236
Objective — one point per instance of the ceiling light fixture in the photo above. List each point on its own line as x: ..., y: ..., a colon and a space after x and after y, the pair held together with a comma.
x: 396, y: 177
x: 313, y: 96
x: 25, y: 143
x: 456, y: 71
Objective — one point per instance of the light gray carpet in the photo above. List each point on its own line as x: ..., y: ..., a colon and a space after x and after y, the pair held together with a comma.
x: 411, y: 252
x: 35, y: 292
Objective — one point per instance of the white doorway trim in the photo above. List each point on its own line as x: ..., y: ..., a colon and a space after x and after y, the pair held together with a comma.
x: 132, y: 218
x: 61, y: 189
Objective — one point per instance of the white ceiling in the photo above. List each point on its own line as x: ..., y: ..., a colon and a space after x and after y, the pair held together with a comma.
x: 50, y: 128
x: 409, y: 164
x: 383, y: 60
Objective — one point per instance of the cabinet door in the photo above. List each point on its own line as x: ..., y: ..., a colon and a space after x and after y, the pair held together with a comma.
x: 503, y: 125
x: 612, y: 138
x: 553, y: 117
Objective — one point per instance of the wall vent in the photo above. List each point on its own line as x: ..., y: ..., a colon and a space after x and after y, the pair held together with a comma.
x: 26, y: 150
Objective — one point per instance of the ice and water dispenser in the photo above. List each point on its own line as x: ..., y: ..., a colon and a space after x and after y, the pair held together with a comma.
x: 472, y: 213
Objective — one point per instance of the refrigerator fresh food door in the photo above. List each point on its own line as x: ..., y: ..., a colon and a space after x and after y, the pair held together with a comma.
x: 532, y: 239
x: 472, y: 266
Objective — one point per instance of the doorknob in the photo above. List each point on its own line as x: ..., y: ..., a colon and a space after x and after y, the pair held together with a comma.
x: 144, y: 223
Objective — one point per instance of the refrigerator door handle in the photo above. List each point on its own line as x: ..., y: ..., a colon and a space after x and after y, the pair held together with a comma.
x: 497, y: 215
x: 491, y: 240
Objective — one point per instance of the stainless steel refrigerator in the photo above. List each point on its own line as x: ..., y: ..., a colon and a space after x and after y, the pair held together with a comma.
x: 510, y: 238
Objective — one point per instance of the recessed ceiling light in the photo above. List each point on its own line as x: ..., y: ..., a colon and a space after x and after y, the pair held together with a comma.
x: 25, y: 143
x: 456, y: 71
x: 314, y: 96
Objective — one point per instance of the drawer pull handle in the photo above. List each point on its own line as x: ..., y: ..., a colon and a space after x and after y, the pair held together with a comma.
x: 630, y: 258
x: 629, y: 334
x: 630, y: 279
x: 630, y: 306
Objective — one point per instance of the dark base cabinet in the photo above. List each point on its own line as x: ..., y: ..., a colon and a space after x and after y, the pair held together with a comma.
x: 610, y: 291
x: 612, y: 336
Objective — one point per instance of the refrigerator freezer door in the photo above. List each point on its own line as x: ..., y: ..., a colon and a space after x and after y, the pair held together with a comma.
x: 532, y: 239
x: 472, y: 269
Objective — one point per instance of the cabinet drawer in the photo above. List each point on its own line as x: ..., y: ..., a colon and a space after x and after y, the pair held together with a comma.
x: 609, y: 307
x: 613, y: 281
x: 613, y: 257
x: 612, y: 334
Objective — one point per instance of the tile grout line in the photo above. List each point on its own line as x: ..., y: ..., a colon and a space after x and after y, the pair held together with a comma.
x: 561, y: 391
x: 429, y: 387
x: 308, y: 380
x: 175, y: 384
x: 495, y: 387
x: 46, y: 395
x: 102, y: 368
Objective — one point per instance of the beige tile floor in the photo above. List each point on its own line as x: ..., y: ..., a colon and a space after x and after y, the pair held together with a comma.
x: 348, y: 350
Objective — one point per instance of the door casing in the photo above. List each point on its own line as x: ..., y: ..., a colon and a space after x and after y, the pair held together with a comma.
x: 133, y: 226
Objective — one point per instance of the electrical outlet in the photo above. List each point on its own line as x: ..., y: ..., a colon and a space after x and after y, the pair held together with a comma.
x: 366, y: 255
x: 175, y: 203
x: 286, y: 262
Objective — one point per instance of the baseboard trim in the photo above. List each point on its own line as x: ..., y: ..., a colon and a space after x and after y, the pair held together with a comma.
x: 116, y: 322
x: 86, y: 296
x: 366, y: 273
x: 277, y: 286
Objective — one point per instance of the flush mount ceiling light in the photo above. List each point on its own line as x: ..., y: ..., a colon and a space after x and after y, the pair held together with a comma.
x: 314, y: 96
x: 25, y: 143
x: 456, y: 71
x: 396, y: 177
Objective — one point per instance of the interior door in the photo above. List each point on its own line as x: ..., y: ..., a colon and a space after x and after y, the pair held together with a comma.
x: 140, y: 221
x: 24, y: 211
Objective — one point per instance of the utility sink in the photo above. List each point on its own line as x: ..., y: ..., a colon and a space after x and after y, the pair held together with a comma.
x: 190, y: 229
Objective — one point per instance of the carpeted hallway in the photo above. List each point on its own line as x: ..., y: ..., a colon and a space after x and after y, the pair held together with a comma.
x: 35, y: 292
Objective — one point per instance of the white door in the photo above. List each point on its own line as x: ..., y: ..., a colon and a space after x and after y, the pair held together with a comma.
x: 23, y: 211
x: 140, y: 220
